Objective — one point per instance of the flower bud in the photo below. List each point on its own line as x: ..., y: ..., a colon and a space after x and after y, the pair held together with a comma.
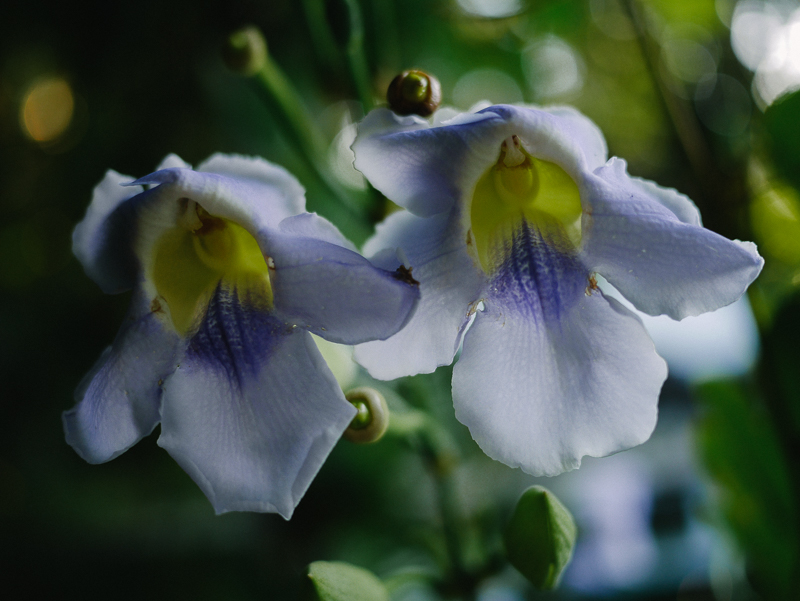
x: 540, y: 537
x: 414, y: 92
x: 245, y: 51
x: 372, y: 417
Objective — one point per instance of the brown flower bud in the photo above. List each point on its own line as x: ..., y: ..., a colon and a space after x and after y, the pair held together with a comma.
x: 414, y: 92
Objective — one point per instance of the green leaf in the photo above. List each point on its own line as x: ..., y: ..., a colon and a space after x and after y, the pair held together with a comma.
x: 540, y: 537
x: 740, y: 449
x: 339, y: 581
x: 782, y: 120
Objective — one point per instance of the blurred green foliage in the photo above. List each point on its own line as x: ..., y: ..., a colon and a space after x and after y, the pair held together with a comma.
x: 740, y: 449
x: 783, y: 136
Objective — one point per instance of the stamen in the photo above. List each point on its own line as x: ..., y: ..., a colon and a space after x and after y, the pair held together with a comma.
x: 189, y: 218
x: 512, y: 155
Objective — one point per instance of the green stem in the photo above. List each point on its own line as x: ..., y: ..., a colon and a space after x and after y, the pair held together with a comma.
x: 461, y: 580
x: 724, y: 193
x: 321, y: 36
x: 300, y: 130
x: 356, y: 59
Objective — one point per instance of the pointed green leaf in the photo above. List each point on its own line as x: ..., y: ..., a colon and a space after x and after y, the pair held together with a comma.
x: 540, y: 537
x: 339, y: 581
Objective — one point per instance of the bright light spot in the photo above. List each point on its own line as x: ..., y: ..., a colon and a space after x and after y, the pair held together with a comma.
x: 767, y: 42
x: 752, y: 31
x: 617, y: 548
x: 485, y: 84
x: 47, y: 109
x: 712, y: 345
x: 552, y: 68
x: 779, y: 72
x: 492, y: 9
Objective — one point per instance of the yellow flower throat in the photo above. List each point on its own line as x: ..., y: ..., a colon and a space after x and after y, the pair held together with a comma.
x: 520, y: 188
x: 200, y: 253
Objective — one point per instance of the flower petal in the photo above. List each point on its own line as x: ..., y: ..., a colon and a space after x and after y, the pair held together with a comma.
x: 102, y: 241
x: 647, y: 242
x: 312, y: 225
x: 118, y: 400
x: 450, y: 285
x: 334, y: 292
x: 541, y: 393
x: 424, y: 169
x: 579, y: 127
x: 250, y: 192
x: 428, y: 169
x: 260, y: 172
x: 173, y: 161
x: 253, y: 411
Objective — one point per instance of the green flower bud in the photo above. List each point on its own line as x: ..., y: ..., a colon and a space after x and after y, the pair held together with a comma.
x: 540, y: 537
x: 372, y: 415
x: 414, y: 92
x: 245, y: 51
x: 339, y: 581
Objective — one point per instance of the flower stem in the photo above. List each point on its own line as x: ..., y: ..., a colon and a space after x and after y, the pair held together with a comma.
x: 724, y: 194
x: 300, y: 130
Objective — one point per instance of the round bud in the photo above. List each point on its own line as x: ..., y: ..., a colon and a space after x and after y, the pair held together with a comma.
x: 414, y: 92
x: 245, y: 51
x: 372, y: 415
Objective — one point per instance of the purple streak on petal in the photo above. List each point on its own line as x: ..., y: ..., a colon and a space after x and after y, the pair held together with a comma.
x: 540, y: 281
x: 235, y: 337
x: 253, y: 411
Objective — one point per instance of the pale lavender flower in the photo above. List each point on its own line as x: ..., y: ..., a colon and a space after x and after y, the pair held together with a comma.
x: 511, y: 214
x: 230, y: 276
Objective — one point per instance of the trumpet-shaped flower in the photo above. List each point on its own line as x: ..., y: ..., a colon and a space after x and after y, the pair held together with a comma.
x: 512, y: 213
x: 229, y: 277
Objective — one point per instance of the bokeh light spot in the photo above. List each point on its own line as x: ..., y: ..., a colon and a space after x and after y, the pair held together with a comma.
x: 553, y: 69
x: 485, y: 84
x: 47, y: 109
x: 491, y: 9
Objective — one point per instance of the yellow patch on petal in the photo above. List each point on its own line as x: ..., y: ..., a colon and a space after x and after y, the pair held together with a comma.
x: 192, y: 258
x: 520, y: 187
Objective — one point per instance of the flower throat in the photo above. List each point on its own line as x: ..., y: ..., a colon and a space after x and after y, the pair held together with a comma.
x: 200, y: 253
x: 522, y: 189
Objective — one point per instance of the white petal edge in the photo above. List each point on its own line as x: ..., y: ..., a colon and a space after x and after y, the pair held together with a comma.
x: 450, y: 285
x: 258, y: 447
x: 541, y: 396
